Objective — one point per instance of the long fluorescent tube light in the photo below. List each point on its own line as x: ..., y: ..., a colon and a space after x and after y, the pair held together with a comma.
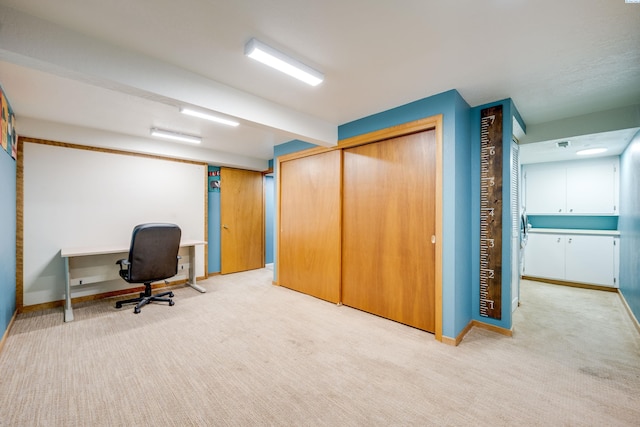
x: 282, y: 62
x: 175, y: 136
x: 206, y: 116
x: 589, y: 151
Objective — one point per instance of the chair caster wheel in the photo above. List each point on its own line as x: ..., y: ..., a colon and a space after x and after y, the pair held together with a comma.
x: 118, y: 305
x: 136, y: 310
x: 171, y: 295
x: 172, y: 303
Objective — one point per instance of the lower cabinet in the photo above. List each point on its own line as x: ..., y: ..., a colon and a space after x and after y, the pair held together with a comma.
x: 581, y: 258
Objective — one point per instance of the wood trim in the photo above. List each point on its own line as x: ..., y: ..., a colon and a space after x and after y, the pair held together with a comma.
x: 493, y: 328
x: 20, y: 226
x: 276, y: 232
x: 305, y: 153
x: 458, y: 339
x: 571, y: 284
x: 437, y: 121
x: 6, y: 332
x: 420, y: 125
x: 105, y: 150
x: 20, y: 207
x: 475, y: 323
x: 433, y: 122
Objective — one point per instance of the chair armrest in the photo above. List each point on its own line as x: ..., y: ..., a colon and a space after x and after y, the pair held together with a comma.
x: 123, y: 263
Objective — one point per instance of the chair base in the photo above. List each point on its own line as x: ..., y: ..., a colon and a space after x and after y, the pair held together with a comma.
x: 146, y: 297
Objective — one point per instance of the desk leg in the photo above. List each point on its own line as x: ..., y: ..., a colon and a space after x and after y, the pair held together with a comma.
x: 192, y: 270
x: 68, y: 311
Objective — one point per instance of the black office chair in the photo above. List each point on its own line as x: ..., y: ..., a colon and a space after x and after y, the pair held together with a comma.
x: 153, y: 256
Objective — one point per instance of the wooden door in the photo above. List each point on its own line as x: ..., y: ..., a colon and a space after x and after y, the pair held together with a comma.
x: 241, y: 220
x: 389, y: 216
x: 309, y: 236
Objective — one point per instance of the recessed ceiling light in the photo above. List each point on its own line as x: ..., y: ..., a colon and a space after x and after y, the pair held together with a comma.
x: 282, y: 62
x: 207, y: 116
x: 176, y: 136
x: 590, y: 151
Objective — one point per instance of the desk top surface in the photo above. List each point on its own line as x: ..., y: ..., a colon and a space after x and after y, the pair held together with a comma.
x: 113, y: 249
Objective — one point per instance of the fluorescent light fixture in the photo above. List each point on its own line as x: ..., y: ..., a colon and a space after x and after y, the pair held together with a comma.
x: 590, y: 151
x: 207, y: 116
x: 278, y: 60
x: 176, y: 136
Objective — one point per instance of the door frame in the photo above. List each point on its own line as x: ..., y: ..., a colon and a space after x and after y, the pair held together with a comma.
x: 416, y: 126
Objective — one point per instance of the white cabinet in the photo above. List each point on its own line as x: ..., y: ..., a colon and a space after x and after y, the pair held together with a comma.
x: 545, y: 189
x: 585, y: 187
x: 544, y: 256
x: 574, y: 257
x: 589, y: 259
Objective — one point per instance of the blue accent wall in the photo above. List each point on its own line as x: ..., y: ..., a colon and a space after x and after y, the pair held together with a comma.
x: 7, y: 240
x: 213, y: 228
x: 629, y: 225
x: 269, y: 218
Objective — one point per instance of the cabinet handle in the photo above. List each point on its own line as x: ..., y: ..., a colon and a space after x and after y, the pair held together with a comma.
x: 570, y: 240
x: 570, y: 210
x: 558, y: 240
x: 560, y: 210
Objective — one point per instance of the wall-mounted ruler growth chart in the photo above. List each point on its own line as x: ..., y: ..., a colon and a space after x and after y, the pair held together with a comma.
x: 491, y: 212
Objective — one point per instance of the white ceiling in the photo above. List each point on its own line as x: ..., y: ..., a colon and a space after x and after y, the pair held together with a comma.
x: 555, y: 59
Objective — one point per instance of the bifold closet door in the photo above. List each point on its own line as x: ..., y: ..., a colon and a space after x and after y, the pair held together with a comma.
x: 309, y: 237
x: 388, y: 255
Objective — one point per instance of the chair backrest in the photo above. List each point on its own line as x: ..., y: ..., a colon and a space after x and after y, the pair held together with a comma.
x: 153, y: 254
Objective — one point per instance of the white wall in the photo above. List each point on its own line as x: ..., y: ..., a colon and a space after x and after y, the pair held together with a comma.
x: 78, y: 198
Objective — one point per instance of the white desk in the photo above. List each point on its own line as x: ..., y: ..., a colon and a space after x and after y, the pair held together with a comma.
x: 83, y: 278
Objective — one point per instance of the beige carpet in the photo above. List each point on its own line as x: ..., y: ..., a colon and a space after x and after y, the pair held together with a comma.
x: 249, y: 353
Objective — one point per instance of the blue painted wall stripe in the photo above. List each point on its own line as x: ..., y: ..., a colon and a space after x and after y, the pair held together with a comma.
x: 7, y: 240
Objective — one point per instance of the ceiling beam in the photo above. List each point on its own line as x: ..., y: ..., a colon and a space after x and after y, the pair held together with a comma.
x: 30, y: 41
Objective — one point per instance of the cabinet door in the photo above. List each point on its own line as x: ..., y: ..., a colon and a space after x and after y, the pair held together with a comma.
x: 591, y: 188
x: 590, y: 259
x: 544, y: 256
x: 545, y: 189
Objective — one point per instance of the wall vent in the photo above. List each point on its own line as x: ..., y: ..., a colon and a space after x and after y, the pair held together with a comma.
x: 563, y: 144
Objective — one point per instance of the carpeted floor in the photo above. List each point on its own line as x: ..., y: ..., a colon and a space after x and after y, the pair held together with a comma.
x: 250, y: 353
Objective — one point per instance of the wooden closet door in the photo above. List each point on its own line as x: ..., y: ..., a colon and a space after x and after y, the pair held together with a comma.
x: 388, y: 258
x: 309, y: 237
x: 241, y: 220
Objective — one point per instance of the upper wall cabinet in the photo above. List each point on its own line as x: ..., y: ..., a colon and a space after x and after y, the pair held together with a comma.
x: 588, y: 187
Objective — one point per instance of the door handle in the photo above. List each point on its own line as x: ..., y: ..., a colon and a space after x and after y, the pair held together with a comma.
x: 225, y: 227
